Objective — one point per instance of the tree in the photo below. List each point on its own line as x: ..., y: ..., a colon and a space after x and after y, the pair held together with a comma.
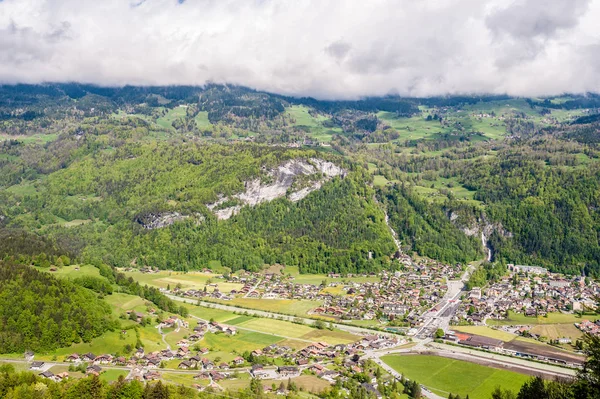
x: 319, y: 324
x: 590, y: 372
x: 500, y: 393
x: 439, y: 333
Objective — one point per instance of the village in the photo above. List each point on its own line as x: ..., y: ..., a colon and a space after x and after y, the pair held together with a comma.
x: 530, y: 290
x: 399, y: 297
x: 329, y: 363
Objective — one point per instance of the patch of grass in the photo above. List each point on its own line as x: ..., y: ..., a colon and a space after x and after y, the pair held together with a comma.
x: 331, y: 337
x: 313, y: 125
x: 172, y: 114
x: 239, y: 320
x: 241, y: 342
x: 113, y: 375
x: 280, y: 327
x: 556, y: 331
x: 23, y: 189
x: 380, y: 181
x: 205, y: 313
x: 486, y: 332
x: 122, y: 302
x: 111, y: 342
x: 285, y: 306
x: 446, y: 376
x: 317, y: 279
x: 553, y: 318
x: 151, y: 339
x: 72, y: 272
x: 182, y: 379
x: 202, y: 121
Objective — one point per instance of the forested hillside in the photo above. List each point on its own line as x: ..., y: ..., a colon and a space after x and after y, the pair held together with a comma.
x: 425, y: 227
x: 99, y: 206
x: 143, y: 176
x: 41, y: 313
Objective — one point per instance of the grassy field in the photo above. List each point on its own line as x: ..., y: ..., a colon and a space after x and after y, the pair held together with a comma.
x: 202, y: 121
x: 109, y: 342
x: 555, y: 331
x: 190, y: 280
x: 553, y: 318
x: 205, y: 313
x: 34, y: 138
x: 413, y: 128
x: 166, y: 121
x: 113, y: 375
x: 151, y: 339
x: 379, y: 180
x: 316, y: 279
x: 280, y: 327
x: 71, y: 272
x: 241, y: 342
x: 331, y: 337
x: 307, y: 383
x: 444, y: 376
x: 312, y: 124
x: 285, y: 306
x: 122, y: 302
x: 486, y: 332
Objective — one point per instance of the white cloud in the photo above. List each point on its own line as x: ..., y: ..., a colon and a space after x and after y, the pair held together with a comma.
x: 322, y: 48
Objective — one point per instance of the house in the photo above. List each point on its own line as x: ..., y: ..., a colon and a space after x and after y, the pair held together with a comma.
x: 185, y: 365
x: 37, y: 365
x: 207, y: 364
x: 257, y: 371
x: 238, y: 360
x: 153, y: 363
x: 139, y: 353
x: 287, y: 371
x: 94, y: 369
x: 103, y: 359
x: 28, y: 356
x: 317, y: 368
x: 152, y: 375
x: 88, y: 357
x: 371, y: 390
x: 73, y: 358
x: 47, y: 374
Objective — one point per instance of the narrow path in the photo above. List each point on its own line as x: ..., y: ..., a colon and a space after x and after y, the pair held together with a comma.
x: 163, y: 337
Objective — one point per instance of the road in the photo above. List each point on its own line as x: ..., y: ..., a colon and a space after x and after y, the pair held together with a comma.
x: 446, y: 308
x: 253, y: 288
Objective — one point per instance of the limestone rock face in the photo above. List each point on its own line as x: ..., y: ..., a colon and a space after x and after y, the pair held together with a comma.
x: 294, y: 179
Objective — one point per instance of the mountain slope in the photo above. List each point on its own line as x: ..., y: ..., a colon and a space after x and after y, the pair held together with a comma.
x: 158, y: 204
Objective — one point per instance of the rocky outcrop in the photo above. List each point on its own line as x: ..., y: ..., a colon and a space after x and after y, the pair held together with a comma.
x: 294, y: 179
x: 152, y: 221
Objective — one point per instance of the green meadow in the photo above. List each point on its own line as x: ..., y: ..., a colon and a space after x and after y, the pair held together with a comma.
x: 444, y: 376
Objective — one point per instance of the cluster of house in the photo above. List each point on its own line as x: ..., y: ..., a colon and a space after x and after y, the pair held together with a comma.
x: 589, y: 327
x: 404, y: 294
x: 530, y: 290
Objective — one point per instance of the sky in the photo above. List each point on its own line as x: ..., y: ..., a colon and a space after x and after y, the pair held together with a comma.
x: 341, y: 49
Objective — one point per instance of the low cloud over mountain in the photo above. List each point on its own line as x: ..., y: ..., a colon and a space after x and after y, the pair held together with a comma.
x: 321, y: 48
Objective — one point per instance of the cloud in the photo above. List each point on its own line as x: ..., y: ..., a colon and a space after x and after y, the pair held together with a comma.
x: 322, y: 48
